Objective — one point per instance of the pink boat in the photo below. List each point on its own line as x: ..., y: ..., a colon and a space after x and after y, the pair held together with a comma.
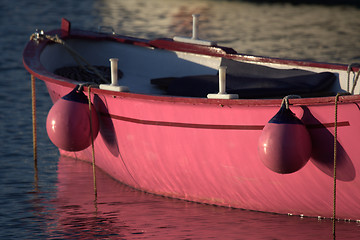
x: 188, y: 119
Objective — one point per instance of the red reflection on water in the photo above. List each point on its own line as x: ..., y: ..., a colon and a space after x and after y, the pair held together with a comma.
x: 121, y: 212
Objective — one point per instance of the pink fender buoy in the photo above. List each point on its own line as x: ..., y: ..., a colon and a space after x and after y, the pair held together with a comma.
x: 285, y: 144
x: 68, y: 122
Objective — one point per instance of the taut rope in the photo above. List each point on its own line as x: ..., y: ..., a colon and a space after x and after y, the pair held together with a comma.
x: 77, y: 57
x: 356, y: 76
x: 335, y: 156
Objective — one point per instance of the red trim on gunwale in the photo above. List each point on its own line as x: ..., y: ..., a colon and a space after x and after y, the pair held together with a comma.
x: 216, y: 51
x: 212, y: 126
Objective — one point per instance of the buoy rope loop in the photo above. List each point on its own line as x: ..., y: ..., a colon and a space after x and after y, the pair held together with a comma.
x: 80, y: 86
x: 77, y: 57
x: 285, y: 100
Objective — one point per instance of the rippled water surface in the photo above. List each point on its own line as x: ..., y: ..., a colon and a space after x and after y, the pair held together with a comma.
x: 59, y: 204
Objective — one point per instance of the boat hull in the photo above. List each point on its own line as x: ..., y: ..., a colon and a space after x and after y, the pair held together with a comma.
x: 207, y: 153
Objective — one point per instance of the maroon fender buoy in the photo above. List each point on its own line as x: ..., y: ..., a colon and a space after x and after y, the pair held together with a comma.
x: 285, y: 144
x: 68, y: 122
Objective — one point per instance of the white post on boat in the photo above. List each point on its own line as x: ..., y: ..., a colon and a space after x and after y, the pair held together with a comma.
x: 222, y: 87
x: 195, y: 26
x: 114, y: 86
x: 114, y: 71
x: 222, y: 80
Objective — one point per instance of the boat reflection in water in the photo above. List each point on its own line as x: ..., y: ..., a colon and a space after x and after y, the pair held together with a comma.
x: 123, y: 212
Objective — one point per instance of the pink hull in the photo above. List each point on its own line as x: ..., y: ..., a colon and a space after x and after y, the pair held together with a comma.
x: 208, y: 153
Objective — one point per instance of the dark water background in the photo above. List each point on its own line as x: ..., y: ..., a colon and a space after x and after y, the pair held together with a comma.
x: 60, y: 205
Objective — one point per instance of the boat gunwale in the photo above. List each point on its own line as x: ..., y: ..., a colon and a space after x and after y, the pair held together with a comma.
x: 33, y: 50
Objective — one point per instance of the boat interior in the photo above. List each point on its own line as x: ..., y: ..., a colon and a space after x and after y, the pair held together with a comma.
x: 147, y: 70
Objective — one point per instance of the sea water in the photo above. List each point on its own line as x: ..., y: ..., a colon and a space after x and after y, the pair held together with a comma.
x: 59, y: 202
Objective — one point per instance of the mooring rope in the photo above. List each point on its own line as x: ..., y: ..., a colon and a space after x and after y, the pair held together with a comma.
x: 92, y: 144
x: 355, y: 82
x: 335, y: 156
x: 33, y: 108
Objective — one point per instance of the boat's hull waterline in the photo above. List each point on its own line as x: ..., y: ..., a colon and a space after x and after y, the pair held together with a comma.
x: 207, y: 150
